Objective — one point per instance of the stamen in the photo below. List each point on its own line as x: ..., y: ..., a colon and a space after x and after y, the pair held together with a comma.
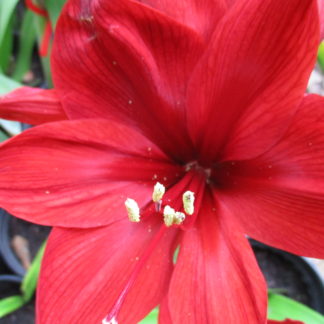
x: 111, y: 317
x: 188, y: 199
x: 132, y: 210
x: 169, y: 215
x: 172, y: 217
x: 179, y: 218
x: 158, y: 192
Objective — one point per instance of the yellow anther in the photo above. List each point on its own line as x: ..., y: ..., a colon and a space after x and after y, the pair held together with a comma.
x: 158, y: 192
x: 169, y: 215
x: 132, y: 210
x: 188, y: 200
x: 179, y: 218
x: 172, y: 217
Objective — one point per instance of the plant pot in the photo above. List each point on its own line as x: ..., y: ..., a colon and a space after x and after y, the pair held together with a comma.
x: 6, y: 251
x: 25, y: 236
x: 291, y: 275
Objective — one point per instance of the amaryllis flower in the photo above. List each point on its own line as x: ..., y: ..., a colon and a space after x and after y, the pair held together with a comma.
x: 202, y: 97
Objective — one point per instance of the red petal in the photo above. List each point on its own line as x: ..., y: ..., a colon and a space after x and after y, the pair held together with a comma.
x: 79, y: 173
x: 321, y: 16
x: 252, y: 76
x: 130, y: 68
x: 164, y: 312
x: 32, y: 106
x: 200, y: 15
x: 279, y: 196
x: 84, y: 271
x: 216, y: 278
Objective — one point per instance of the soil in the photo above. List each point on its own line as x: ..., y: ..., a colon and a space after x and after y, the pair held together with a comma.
x: 8, y: 289
x: 24, y: 315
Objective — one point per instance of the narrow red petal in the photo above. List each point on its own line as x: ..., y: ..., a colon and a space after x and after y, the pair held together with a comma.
x: 279, y: 196
x: 45, y: 43
x: 32, y: 106
x: 164, y: 312
x: 321, y: 16
x: 252, y: 76
x: 84, y: 271
x: 130, y: 68
x: 216, y: 278
x: 39, y: 11
x: 79, y: 173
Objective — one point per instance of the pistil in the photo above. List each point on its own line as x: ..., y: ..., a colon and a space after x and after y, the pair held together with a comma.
x: 111, y: 318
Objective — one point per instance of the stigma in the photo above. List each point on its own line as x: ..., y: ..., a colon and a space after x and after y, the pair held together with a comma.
x: 112, y: 321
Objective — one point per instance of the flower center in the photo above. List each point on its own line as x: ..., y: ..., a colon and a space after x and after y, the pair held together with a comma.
x: 195, y: 166
x: 170, y: 215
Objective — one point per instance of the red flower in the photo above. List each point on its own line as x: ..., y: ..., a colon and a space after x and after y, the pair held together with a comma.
x: 199, y: 96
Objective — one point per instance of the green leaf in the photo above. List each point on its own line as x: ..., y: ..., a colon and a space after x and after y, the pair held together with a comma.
x: 6, y: 46
x: 10, y: 304
x: 30, y: 280
x: 6, y: 10
x: 7, y: 84
x: 281, y: 307
x: 27, y: 41
x: 151, y: 318
x: 320, y: 56
x: 3, y: 136
x: 54, y: 8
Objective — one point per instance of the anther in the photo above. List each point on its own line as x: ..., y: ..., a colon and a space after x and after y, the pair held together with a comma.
x: 188, y: 199
x: 157, y: 195
x: 158, y: 192
x: 168, y: 214
x: 133, y: 212
x: 172, y: 217
x: 179, y: 218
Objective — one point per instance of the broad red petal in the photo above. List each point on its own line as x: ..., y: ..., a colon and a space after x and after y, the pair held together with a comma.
x: 279, y: 196
x: 133, y: 64
x: 32, y: 106
x: 84, y: 271
x: 216, y: 278
x: 321, y: 16
x: 252, y: 76
x: 164, y: 312
x: 200, y: 15
x: 78, y: 173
